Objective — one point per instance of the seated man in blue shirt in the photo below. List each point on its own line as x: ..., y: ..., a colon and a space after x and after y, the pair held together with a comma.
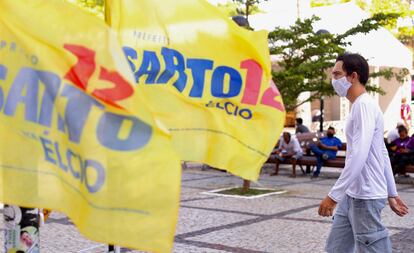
x: 325, y: 149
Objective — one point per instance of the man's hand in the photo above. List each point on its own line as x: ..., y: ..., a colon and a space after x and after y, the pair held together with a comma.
x: 405, y: 150
x: 327, y: 207
x: 276, y: 152
x: 398, y: 206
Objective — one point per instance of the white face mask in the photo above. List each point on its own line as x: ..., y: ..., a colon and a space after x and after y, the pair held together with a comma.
x: 341, y: 86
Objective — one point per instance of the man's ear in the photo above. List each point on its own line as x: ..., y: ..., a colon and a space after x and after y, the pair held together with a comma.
x: 354, y: 76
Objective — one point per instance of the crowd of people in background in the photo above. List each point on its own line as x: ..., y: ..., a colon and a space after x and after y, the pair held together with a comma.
x: 399, y: 144
x: 401, y: 149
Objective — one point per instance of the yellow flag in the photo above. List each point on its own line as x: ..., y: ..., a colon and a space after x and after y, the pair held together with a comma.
x: 75, y: 135
x: 206, y: 78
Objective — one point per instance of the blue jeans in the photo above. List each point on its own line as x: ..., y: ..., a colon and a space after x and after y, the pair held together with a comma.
x: 319, y: 160
x: 357, y: 227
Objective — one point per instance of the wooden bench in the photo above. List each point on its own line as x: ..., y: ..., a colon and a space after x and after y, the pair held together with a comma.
x: 308, y: 161
x: 409, y: 168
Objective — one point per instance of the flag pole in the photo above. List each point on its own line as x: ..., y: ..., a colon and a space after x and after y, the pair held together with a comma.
x: 108, y: 21
x: 107, y: 15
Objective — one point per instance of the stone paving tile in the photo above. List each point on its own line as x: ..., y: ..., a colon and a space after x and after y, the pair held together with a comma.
x: 185, y: 248
x: 409, y: 190
x: 261, y: 206
x: 394, y: 222
x: 279, y: 236
x: 66, y: 238
x: 189, y: 192
x: 216, y: 183
x: 195, y: 219
x: 195, y: 176
x: 403, y: 241
x: 1, y: 230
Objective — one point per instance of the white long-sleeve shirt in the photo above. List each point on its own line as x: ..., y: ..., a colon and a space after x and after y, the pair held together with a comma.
x: 367, y: 173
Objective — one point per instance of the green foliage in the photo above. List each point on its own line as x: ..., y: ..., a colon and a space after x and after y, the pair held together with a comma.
x: 233, y: 8
x: 318, y: 3
x: 306, y: 56
x: 247, y: 7
x: 391, y: 6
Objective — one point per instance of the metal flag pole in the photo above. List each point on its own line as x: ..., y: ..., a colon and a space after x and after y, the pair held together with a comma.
x: 111, y: 248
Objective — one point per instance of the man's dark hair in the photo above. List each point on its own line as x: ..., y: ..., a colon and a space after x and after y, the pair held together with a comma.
x: 287, y: 134
x: 355, y: 63
x: 299, y: 121
x: 402, y: 128
x: 331, y: 127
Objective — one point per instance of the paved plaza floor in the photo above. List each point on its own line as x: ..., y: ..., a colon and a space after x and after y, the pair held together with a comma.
x: 280, y: 223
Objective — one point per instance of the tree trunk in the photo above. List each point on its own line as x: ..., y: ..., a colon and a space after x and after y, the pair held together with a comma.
x: 246, y: 185
x: 247, y: 10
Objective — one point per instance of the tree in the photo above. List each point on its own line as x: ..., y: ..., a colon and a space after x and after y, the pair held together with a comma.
x: 306, y: 56
x: 404, y: 32
x: 317, y: 3
x: 241, y: 7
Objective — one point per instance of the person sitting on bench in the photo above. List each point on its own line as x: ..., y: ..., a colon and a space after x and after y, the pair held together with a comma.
x: 289, y: 148
x: 325, y: 149
x: 402, y: 152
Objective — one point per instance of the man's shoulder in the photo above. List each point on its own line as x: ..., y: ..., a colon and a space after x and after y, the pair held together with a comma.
x: 302, y: 129
x: 306, y: 129
x: 366, y: 105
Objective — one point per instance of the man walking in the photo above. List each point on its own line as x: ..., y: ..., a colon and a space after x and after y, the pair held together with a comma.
x: 367, y: 179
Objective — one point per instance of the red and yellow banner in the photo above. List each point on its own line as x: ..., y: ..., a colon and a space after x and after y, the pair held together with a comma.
x: 76, y: 136
x: 206, y: 78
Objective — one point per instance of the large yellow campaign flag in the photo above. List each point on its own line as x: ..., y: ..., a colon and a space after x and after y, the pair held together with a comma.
x: 75, y: 135
x: 206, y: 78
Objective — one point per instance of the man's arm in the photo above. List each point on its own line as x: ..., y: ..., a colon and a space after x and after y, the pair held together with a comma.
x: 391, y: 188
x: 334, y: 148
x: 396, y: 204
x: 281, y: 141
x: 296, y: 146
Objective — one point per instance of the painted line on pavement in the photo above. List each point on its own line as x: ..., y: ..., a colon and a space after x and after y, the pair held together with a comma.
x: 221, y: 210
x: 216, y: 246
x: 244, y: 223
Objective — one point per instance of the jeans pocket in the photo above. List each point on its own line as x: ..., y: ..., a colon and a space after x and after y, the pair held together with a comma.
x: 380, y: 204
x: 361, y: 203
x: 373, y: 240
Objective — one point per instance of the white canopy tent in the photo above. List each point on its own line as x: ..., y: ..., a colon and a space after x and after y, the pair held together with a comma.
x: 380, y: 47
